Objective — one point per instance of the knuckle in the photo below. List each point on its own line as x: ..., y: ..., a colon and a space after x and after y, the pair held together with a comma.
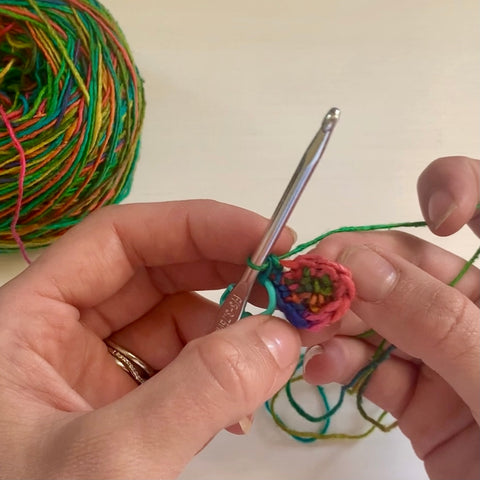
x: 225, y: 367
x: 448, y: 311
x: 331, y: 246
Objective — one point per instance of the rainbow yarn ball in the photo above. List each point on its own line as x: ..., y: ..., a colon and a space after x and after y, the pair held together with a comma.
x: 313, y: 292
x: 71, y: 111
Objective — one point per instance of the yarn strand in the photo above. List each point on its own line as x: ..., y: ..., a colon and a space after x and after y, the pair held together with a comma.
x: 21, y: 181
x: 360, y: 382
x: 465, y: 268
x: 358, y: 228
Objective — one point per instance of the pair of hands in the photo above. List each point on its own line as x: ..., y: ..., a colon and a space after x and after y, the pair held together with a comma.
x: 129, y: 272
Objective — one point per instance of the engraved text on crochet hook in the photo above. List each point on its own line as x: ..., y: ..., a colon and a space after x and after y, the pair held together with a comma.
x: 232, y: 308
x: 230, y: 312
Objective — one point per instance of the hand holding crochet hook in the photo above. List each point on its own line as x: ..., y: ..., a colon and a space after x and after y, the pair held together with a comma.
x: 119, y: 289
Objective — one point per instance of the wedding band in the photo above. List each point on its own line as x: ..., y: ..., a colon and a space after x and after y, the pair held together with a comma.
x: 139, y: 370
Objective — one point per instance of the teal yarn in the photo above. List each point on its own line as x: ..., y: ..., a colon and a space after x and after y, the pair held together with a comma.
x: 321, y: 391
x: 71, y: 111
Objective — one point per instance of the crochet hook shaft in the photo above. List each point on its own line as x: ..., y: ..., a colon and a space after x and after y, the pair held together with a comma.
x: 232, y: 308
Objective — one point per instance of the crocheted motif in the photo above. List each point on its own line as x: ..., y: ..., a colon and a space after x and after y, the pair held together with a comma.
x: 313, y: 292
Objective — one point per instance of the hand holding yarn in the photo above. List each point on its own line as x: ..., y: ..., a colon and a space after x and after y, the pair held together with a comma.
x: 128, y: 273
x: 402, y: 294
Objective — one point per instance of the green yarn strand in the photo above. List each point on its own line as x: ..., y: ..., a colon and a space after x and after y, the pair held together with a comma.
x: 361, y: 228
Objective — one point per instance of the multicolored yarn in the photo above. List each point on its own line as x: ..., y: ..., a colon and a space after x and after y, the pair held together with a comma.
x: 71, y: 110
x: 273, y: 270
x: 282, y: 279
x: 355, y: 387
x: 313, y: 292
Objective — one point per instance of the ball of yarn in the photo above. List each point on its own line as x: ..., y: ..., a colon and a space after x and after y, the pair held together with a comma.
x: 313, y: 292
x: 71, y: 110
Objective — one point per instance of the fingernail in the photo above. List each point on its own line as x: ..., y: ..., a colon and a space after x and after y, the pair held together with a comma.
x: 280, y: 339
x: 245, y: 424
x: 374, y: 276
x: 440, y: 206
x: 312, y: 352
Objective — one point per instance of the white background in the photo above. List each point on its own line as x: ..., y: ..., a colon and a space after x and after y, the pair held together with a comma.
x: 235, y: 92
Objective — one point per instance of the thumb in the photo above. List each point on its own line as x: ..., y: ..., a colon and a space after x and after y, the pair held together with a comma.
x: 449, y: 192
x: 214, y: 382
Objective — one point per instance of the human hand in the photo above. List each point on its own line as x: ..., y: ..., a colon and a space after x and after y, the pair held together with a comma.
x: 67, y: 409
x: 431, y: 383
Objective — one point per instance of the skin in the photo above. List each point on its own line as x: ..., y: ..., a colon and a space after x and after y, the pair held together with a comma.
x: 432, y: 382
x: 67, y: 410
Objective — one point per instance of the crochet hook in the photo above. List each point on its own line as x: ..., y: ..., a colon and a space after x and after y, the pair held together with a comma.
x: 232, y: 308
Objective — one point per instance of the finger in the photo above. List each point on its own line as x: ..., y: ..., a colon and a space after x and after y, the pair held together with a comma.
x: 418, y: 397
x: 160, y: 335
x: 142, y: 293
x: 434, y: 260
x: 216, y: 381
x: 338, y: 360
x: 449, y: 191
x: 419, y: 314
x: 148, y: 287
x: 351, y: 325
x: 242, y: 427
x: 156, y: 338
x: 96, y: 258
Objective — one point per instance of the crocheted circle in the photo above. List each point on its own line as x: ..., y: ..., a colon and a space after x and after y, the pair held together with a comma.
x: 313, y: 292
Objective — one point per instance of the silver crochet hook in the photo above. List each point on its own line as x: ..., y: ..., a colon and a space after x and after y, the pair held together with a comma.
x: 232, y: 308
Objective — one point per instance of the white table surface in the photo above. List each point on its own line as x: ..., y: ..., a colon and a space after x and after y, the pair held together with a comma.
x: 236, y: 90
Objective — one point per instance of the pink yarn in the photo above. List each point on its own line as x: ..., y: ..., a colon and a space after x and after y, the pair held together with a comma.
x: 21, y: 181
x: 314, y: 292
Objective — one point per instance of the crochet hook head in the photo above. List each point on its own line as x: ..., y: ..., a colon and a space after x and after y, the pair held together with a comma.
x: 233, y: 306
x: 297, y: 184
